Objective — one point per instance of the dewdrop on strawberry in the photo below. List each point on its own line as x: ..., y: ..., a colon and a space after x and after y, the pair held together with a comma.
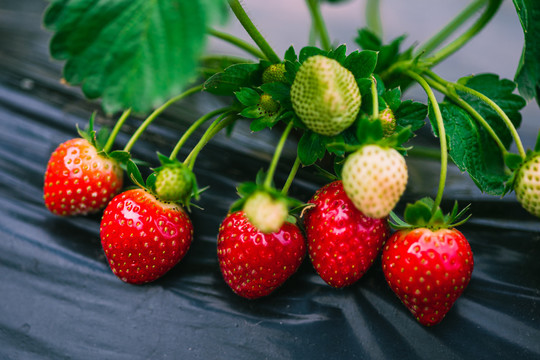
x: 325, y: 95
x: 374, y: 178
x: 265, y: 213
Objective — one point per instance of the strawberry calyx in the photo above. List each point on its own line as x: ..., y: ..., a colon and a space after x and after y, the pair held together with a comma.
x: 422, y: 215
x: 172, y: 182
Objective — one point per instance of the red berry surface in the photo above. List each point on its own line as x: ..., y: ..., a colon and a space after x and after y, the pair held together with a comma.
x: 253, y: 263
x: 142, y: 237
x: 342, y: 242
x: 78, y: 180
x: 428, y: 270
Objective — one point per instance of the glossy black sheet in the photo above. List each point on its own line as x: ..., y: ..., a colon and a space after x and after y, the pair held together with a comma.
x: 59, y: 299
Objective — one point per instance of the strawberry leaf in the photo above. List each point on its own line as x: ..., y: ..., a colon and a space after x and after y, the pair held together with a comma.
x: 233, y: 79
x: 311, y: 147
x: 131, y: 53
x: 361, y: 64
x: 290, y: 54
x: 528, y: 71
x: 309, y: 51
x: 247, y: 96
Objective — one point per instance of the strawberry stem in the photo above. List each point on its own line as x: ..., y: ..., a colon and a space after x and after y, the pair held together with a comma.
x: 375, y: 98
x: 252, y: 30
x: 237, y: 42
x: 442, y: 135
x: 156, y: 113
x: 110, y: 141
x: 194, y: 127
x: 219, y: 124
x: 491, y: 9
x: 373, y: 18
x: 319, y: 24
x: 437, y: 39
x: 448, y: 89
x: 277, y: 154
x: 291, y: 176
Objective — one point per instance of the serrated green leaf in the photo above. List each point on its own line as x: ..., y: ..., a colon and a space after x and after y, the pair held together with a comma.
x: 290, y: 54
x: 361, y: 64
x: 501, y: 92
x: 233, y: 79
x: 410, y: 113
x: 279, y: 91
x: 251, y: 112
x: 311, y: 147
x: 120, y: 156
x: 309, y: 51
x: 528, y: 71
x: 339, y: 54
x: 248, y: 96
x: 473, y: 150
x: 387, y: 54
x: 291, y: 68
x: 131, y: 53
x: 392, y: 98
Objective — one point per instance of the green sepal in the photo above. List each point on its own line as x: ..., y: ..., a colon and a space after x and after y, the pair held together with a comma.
x: 279, y: 92
x: 309, y: 51
x: 422, y: 215
x: 233, y: 78
x: 89, y: 134
x: 247, y: 96
x: 361, y: 64
x: 339, y: 54
x: 537, y: 145
x: 120, y: 156
x: 134, y: 174
x: 311, y: 147
x: 513, y: 161
x: 290, y: 54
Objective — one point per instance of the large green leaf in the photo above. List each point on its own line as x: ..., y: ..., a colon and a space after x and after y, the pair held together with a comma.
x: 130, y: 53
x: 472, y: 150
x: 528, y: 72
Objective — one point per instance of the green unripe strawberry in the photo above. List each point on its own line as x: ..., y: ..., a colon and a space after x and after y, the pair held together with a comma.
x: 388, y: 121
x: 173, y: 183
x: 527, y: 185
x: 325, y: 95
x: 274, y: 73
x: 267, y: 105
x: 265, y: 213
x: 374, y: 178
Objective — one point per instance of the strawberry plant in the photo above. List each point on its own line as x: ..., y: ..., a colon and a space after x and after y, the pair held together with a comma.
x: 341, y: 105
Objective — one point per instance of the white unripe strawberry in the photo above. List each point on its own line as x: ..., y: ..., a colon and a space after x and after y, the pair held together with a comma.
x: 325, y: 95
x: 265, y: 213
x: 527, y: 185
x: 374, y: 178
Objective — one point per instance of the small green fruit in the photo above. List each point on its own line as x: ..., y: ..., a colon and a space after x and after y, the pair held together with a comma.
x: 265, y: 213
x: 527, y: 185
x: 274, y: 73
x: 325, y: 95
x: 267, y: 105
x: 388, y: 121
x: 173, y: 183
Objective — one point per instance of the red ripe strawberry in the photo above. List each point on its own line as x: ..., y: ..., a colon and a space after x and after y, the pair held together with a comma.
x: 342, y: 241
x: 253, y: 263
x: 428, y: 270
x: 143, y: 238
x: 78, y: 180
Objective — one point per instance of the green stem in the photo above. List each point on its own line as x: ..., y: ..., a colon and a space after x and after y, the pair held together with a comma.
x: 291, y: 176
x: 448, y: 89
x: 319, y: 24
x: 499, y: 111
x: 219, y: 124
x: 156, y: 113
x: 373, y: 18
x: 110, y: 141
x: 442, y: 136
x: 277, y: 154
x: 451, y: 27
x: 375, y: 98
x: 248, y: 25
x: 237, y: 42
x: 458, y: 43
x: 192, y: 129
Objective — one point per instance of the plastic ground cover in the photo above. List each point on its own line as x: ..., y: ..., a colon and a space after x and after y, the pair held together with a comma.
x: 59, y: 299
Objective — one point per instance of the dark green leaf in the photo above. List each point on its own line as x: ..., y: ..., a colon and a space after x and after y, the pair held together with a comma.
x: 367, y: 40
x: 528, y: 71
x: 233, y: 79
x: 393, y: 99
x: 101, y: 137
x: 279, y: 91
x: 248, y: 96
x: 151, y: 181
x: 387, y: 54
x: 121, y: 156
x: 134, y: 173
x: 252, y: 112
x: 308, y: 52
x: 131, y: 53
x: 361, y: 64
x: 410, y: 113
x: 501, y: 92
x: 418, y: 213
x: 339, y: 54
x: 290, y: 54
x: 291, y: 68
x: 473, y: 150
x: 311, y: 148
